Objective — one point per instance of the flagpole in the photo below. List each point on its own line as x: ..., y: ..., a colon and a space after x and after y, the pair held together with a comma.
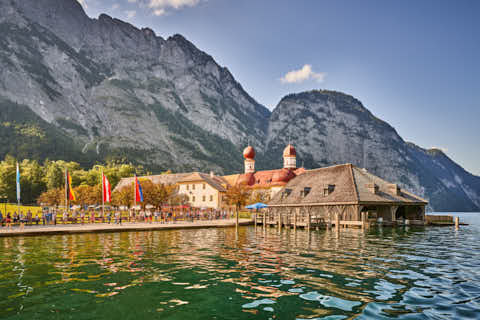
x: 66, y: 191
x: 18, y: 190
x: 134, y: 192
x: 103, y: 197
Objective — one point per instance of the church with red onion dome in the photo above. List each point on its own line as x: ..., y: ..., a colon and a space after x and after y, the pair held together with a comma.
x: 268, y: 180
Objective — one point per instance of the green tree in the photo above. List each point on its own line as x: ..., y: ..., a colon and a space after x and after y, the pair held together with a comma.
x: 8, y: 178
x: 54, y: 175
x: 237, y: 196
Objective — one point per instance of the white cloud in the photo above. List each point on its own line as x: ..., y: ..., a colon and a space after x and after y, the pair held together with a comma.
x: 305, y: 73
x: 83, y: 3
x: 160, y: 7
x: 115, y: 6
x: 159, y: 12
x: 130, y: 13
x: 132, y: 1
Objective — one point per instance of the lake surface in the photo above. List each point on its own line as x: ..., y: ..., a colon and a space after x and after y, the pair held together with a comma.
x: 402, y: 273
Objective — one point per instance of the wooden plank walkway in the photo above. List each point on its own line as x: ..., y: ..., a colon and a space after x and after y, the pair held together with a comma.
x: 127, y: 226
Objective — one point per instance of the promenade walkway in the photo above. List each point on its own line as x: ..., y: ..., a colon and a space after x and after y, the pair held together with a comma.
x: 127, y: 226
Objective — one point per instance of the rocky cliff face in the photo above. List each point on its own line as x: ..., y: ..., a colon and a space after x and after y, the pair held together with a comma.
x: 332, y: 128
x: 86, y: 89
x: 124, y: 91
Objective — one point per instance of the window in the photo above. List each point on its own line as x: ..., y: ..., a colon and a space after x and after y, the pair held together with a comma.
x: 203, y: 198
x: 204, y: 186
x: 211, y: 198
x: 193, y: 199
x: 193, y: 187
x: 188, y: 187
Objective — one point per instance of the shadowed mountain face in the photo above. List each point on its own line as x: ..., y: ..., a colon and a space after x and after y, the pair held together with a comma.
x: 94, y: 89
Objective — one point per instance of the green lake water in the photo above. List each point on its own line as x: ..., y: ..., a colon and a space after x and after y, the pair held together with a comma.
x: 382, y: 273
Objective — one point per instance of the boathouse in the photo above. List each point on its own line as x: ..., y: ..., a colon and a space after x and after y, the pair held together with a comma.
x: 345, y: 192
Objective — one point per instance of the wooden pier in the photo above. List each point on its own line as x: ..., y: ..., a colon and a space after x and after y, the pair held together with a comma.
x: 305, y: 220
x: 309, y: 220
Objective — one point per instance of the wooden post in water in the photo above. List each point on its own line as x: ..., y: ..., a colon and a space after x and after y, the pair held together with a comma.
x: 308, y: 219
x: 362, y: 216
x: 457, y: 222
x: 279, y: 219
x: 264, y: 220
x: 337, y: 221
x: 295, y: 219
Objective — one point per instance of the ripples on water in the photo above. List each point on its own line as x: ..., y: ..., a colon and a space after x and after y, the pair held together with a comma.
x: 402, y: 273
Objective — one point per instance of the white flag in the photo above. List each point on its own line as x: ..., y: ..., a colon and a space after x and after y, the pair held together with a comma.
x: 18, y: 183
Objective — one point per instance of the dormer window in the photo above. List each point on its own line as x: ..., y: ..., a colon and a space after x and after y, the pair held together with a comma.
x: 372, y: 187
x: 394, y: 189
x: 305, y: 191
x: 328, y: 189
x: 286, y: 192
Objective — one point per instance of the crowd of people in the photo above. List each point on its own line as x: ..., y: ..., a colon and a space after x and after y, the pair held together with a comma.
x: 52, y: 216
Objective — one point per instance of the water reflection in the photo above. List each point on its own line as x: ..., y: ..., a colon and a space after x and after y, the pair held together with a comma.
x: 367, y: 274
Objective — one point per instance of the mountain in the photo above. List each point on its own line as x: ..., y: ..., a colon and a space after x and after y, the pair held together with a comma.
x: 84, y: 89
x: 124, y: 92
x: 332, y: 128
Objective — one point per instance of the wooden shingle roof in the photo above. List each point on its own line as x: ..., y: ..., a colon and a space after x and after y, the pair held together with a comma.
x: 166, y: 179
x: 341, y: 184
x: 215, y: 181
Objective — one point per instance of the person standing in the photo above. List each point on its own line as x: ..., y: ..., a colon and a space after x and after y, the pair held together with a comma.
x: 117, y: 217
x: 65, y: 217
x: 1, y: 219
x: 8, y: 221
x: 29, y: 217
x: 82, y: 216
x: 22, y: 219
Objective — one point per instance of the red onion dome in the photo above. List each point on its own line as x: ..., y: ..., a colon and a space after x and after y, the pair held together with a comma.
x: 289, y: 151
x: 249, y: 153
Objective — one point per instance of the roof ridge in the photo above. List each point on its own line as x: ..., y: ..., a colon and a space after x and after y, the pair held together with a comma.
x: 354, y: 182
x: 329, y: 167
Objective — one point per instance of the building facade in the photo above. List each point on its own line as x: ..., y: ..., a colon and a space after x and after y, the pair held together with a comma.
x: 346, y: 191
x: 204, y: 190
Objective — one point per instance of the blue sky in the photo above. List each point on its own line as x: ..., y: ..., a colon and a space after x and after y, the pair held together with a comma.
x: 414, y: 64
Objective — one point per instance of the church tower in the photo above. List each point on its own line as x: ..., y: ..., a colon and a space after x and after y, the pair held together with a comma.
x: 249, y: 155
x: 289, y: 157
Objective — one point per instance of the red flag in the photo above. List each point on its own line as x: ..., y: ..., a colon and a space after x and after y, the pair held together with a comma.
x: 107, y: 192
x: 71, y: 195
x: 138, y: 191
